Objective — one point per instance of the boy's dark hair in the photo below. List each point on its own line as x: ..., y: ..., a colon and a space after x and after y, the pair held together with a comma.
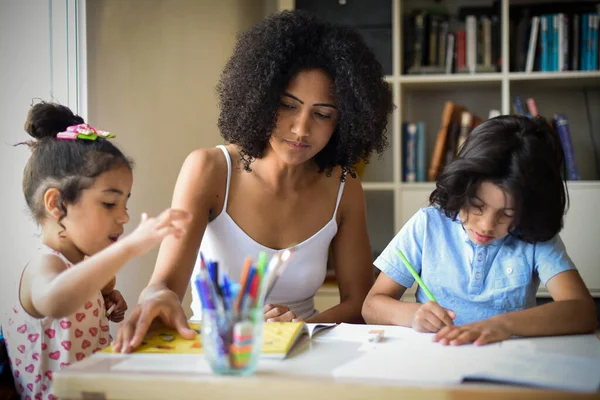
x: 525, y: 158
x: 67, y: 165
x: 264, y: 60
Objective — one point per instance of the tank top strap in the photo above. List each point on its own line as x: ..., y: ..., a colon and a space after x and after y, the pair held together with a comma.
x: 228, y: 158
x: 339, y: 196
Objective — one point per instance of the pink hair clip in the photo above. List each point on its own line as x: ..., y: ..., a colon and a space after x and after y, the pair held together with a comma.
x: 83, y: 131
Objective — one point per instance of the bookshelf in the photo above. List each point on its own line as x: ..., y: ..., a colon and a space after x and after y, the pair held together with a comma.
x: 391, y: 202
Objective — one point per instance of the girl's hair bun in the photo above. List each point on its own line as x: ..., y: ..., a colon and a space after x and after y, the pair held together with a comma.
x: 48, y: 119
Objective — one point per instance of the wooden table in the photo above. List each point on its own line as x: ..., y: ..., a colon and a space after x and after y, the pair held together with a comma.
x: 304, y: 376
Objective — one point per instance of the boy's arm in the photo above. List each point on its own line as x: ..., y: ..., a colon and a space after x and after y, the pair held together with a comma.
x: 382, y: 307
x: 573, y: 310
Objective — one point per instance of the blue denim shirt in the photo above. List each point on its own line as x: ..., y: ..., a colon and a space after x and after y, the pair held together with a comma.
x: 476, y: 282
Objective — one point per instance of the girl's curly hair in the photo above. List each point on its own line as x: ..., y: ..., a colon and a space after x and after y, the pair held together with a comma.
x: 268, y: 55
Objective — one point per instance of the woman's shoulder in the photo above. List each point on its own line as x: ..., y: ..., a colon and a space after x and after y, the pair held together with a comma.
x: 206, y: 158
x: 206, y: 164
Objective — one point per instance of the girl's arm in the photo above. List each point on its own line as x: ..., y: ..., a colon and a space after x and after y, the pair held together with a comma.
x: 57, y: 291
x: 351, y: 252
x: 110, y: 286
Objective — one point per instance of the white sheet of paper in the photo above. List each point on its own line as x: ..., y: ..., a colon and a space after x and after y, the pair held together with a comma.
x: 425, y: 362
x: 391, y: 363
x: 316, y: 328
x: 360, y: 333
x: 576, y: 345
x: 556, y: 371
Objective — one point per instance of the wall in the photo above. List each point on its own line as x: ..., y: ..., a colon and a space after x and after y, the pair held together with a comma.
x: 152, y: 72
x: 38, y: 46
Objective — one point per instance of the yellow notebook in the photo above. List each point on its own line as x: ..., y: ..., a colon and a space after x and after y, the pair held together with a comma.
x: 279, y: 338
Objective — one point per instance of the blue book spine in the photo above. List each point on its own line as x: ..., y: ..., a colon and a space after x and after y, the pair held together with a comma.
x: 588, y: 45
x: 544, y: 37
x: 595, y: 44
x: 421, y: 151
x: 562, y: 128
x: 404, y: 152
x: 411, y: 153
x: 519, y: 106
x: 555, y: 41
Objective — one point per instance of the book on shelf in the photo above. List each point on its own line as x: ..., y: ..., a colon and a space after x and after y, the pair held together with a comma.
x: 279, y: 339
x: 439, y: 150
x: 457, y: 123
x: 436, y: 42
x: 560, y: 124
x: 414, y: 152
x: 554, y: 36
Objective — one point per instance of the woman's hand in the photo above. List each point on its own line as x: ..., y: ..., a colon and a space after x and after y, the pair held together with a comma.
x: 480, y: 333
x: 163, y: 303
x: 115, y: 306
x: 279, y: 313
x: 431, y: 317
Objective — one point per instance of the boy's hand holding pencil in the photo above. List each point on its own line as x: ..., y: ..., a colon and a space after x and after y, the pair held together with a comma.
x: 430, y: 317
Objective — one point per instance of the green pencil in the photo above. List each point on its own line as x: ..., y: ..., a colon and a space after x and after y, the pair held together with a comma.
x: 417, y: 277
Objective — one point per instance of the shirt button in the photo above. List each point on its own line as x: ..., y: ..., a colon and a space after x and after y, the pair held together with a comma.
x: 478, y: 276
x: 509, y: 270
x: 479, y: 257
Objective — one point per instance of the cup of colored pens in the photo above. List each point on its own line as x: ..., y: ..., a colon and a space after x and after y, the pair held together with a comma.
x: 232, y: 313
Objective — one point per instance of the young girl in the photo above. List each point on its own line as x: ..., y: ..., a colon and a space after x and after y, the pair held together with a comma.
x: 489, y: 239
x: 77, y: 186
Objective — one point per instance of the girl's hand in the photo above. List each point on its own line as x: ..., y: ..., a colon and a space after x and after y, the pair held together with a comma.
x: 479, y: 333
x: 279, y: 313
x: 431, y: 317
x: 151, y: 231
x: 116, y: 304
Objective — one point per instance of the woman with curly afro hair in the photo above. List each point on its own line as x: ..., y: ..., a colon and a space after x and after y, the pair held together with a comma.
x: 302, y: 101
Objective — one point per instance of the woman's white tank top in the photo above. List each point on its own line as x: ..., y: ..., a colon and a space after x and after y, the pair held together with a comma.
x: 224, y: 241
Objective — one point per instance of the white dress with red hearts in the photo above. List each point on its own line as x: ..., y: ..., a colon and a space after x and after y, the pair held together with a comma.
x: 37, y: 348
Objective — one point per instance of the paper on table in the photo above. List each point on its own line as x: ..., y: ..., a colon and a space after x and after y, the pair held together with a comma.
x: 394, y: 363
x: 577, y: 345
x: 360, y: 333
x: 556, y: 371
x: 313, y: 329
x: 426, y: 362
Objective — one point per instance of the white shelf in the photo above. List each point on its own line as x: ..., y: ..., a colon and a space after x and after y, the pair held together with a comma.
x: 566, y: 79
x: 443, y: 81
x: 418, y: 186
x: 373, y: 186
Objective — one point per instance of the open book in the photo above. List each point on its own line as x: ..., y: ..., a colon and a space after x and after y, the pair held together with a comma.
x: 279, y: 339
